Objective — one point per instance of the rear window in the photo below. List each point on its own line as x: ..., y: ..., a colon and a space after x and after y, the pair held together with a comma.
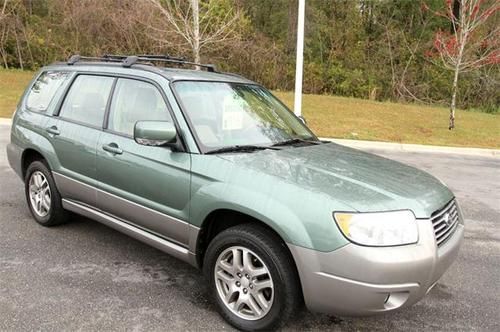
x: 43, y: 90
x: 86, y: 100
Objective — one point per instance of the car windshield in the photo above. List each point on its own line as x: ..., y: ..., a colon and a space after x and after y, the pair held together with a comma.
x: 232, y: 114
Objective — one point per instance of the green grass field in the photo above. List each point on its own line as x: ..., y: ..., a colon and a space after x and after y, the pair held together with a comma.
x: 340, y: 117
x: 12, y: 85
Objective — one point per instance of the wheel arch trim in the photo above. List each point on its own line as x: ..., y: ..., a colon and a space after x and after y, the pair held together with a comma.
x: 24, y: 155
x: 197, y: 235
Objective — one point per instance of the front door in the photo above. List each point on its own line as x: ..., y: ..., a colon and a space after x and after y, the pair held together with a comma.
x: 145, y: 185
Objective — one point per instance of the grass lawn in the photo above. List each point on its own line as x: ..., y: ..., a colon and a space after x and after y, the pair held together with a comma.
x: 12, y: 85
x: 341, y: 117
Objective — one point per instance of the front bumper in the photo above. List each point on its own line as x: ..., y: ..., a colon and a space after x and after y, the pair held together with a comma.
x: 357, y: 280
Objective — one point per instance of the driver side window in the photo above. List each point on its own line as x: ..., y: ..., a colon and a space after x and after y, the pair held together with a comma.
x: 134, y: 101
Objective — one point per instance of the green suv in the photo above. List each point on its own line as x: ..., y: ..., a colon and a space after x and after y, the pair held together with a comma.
x: 211, y: 168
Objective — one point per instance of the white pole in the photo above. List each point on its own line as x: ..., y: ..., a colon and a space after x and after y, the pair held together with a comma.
x: 300, y: 59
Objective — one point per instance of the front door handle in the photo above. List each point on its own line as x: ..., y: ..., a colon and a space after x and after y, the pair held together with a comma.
x: 112, y: 148
x: 53, y: 130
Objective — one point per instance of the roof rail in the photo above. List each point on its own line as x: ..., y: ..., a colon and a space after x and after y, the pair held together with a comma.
x: 76, y: 58
x: 148, y: 59
x: 73, y: 59
x: 129, y: 61
x: 152, y: 56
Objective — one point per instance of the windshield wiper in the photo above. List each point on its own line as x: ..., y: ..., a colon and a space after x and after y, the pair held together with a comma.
x: 240, y: 148
x: 296, y: 141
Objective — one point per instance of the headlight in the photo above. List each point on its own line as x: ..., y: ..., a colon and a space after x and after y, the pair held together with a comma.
x: 378, y: 228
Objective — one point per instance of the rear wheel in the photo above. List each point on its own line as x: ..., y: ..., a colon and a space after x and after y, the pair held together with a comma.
x: 42, y: 196
x: 252, y: 278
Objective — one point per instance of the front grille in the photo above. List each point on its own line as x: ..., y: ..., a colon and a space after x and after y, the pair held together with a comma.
x: 445, y: 222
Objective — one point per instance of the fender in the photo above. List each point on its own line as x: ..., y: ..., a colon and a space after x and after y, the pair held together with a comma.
x: 26, y: 138
x: 284, y: 219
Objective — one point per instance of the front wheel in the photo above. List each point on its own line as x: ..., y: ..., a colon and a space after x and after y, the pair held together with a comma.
x: 252, y: 277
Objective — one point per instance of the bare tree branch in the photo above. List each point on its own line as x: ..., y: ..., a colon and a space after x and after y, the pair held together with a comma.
x: 198, y: 27
x: 465, y: 50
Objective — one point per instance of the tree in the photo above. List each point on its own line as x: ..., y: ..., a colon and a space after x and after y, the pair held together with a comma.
x: 470, y: 44
x: 13, y: 34
x: 201, y: 23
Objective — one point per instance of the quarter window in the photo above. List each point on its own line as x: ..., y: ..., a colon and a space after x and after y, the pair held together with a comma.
x: 134, y: 101
x: 86, y: 100
x: 43, y: 90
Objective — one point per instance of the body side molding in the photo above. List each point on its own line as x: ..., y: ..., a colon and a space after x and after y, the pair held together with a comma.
x: 175, y: 230
x: 135, y: 232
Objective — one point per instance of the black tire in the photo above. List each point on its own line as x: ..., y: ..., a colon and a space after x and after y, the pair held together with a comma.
x: 271, y: 249
x: 56, y: 214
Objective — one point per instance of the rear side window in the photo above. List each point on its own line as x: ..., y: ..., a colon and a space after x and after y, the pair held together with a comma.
x: 86, y: 100
x: 135, y: 101
x: 43, y: 90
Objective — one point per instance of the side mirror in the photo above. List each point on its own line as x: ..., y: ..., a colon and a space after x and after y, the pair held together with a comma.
x: 155, y: 133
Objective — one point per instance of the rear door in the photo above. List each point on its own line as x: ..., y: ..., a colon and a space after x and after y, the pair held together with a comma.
x: 75, y: 134
x: 145, y: 185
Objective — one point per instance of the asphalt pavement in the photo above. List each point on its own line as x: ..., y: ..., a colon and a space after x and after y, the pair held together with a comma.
x: 85, y: 276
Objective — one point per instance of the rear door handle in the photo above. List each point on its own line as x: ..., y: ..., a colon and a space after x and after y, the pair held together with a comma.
x: 112, y: 148
x: 53, y: 130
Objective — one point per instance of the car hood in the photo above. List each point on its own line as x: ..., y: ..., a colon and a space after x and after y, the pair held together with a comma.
x: 363, y: 181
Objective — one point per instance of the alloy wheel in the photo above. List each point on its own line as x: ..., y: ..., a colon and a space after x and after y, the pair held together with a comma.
x: 244, y: 283
x: 39, y: 193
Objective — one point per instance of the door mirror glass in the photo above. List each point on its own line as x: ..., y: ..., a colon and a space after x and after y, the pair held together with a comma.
x: 154, y: 133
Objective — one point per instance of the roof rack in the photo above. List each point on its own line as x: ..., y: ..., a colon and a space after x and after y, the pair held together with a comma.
x: 148, y: 59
